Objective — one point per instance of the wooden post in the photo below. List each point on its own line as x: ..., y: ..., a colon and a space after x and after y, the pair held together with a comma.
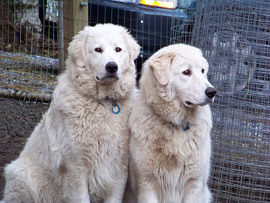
x: 75, y: 19
x: 61, y: 56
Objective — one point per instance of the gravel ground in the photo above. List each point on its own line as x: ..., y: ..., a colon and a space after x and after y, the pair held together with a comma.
x: 17, y: 121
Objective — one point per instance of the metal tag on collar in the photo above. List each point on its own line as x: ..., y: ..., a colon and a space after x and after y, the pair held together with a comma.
x: 186, y: 127
x: 115, y: 108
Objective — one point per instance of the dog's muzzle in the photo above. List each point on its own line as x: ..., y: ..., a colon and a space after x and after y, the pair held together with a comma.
x: 210, y: 92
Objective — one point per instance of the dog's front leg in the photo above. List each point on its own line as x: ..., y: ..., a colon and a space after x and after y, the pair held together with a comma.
x: 117, y: 193
x: 75, y: 187
x: 147, y: 194
x: 116, y: 197
x: 197, y: 192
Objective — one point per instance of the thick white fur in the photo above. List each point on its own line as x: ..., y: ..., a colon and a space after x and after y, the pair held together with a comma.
x: 167, y: 163
x: 79, y: 151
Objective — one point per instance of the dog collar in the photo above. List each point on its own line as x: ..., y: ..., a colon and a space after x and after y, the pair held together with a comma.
x: 115, y: 108
x: 186, y: 128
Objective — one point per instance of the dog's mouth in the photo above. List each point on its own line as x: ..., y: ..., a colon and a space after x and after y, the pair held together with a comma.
x: 208, y: 101
x: 108, y: 78
x: 189, y: 103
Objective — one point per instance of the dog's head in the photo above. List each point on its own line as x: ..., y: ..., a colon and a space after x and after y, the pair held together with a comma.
x: 179, y: 72
x: 104, y: 52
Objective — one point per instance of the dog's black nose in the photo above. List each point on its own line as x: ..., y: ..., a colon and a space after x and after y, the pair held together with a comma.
x: 210, y: 92
x: 111, y: 67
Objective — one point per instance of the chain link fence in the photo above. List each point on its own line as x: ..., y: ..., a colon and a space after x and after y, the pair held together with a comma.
x: 234, y: 36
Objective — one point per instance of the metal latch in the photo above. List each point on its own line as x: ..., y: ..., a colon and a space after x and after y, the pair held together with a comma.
x: 83, y: 3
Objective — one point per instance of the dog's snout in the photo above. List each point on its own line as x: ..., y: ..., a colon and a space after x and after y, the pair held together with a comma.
x: 210, y: 92
x: 111, y: 67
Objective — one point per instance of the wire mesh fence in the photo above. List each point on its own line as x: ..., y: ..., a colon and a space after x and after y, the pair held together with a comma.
x: 28, y: 48
x: 30, y: 29
x: 234, y: 36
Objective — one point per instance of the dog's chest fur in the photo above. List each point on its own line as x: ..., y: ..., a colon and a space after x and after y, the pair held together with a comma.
x: 179, y: 151
x: 101, y: 138
x: 98, y: 130
x: 171, y: 155
x: 178, y: 159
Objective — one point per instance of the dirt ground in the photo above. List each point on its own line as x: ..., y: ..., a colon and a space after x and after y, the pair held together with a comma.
x: 17, y: 121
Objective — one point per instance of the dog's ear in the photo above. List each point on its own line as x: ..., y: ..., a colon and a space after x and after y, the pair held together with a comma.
x: 132, y: 46
x: 77, y: 47
x: 161, y: 66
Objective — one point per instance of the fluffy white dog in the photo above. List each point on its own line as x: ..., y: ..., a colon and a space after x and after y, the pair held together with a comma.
x: 79, y: 151
x: 170, y: 128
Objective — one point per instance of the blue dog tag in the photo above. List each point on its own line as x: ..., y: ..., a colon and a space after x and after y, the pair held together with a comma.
x: 115, y: 108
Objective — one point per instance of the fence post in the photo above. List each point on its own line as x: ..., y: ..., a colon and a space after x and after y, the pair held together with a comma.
x: 75, y: 18
x: 61, y: 37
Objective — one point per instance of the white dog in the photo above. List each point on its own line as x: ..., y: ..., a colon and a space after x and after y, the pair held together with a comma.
x: 79, y: 151
x: 170, y: 128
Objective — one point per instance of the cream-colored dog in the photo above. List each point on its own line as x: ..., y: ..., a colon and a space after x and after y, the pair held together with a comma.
x: 170, y: 128
x: 79, y: 151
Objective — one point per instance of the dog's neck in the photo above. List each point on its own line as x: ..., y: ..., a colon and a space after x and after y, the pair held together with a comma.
x: 114, y: 91
x: 174, y: 112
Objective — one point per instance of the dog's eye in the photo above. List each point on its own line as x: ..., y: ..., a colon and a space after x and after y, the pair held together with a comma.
x: 187, y: 72
x: 118, y: 49
x: 98, y: 50
x: 202, y: 70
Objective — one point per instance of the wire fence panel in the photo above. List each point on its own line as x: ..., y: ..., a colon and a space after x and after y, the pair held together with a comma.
x: 29, y: 36
x: 234, y: 36
x: 28, y: 48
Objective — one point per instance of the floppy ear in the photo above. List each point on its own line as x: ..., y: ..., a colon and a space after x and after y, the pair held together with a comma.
x: 77, y: 47
x: 161, y: 66
x: 132, y: 46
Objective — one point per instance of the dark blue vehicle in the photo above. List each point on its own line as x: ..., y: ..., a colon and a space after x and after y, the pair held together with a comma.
x: 149, y: 21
